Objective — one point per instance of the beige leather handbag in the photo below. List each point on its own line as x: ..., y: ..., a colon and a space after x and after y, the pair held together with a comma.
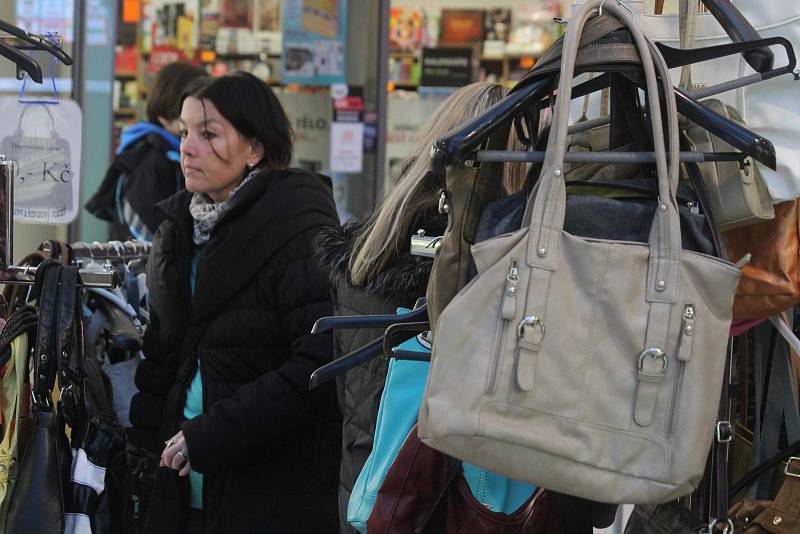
x: 739, y: 196
x: 589, y: 367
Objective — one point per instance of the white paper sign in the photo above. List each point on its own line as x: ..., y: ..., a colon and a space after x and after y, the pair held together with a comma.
x: 45, y: 141
x: 347, y: 146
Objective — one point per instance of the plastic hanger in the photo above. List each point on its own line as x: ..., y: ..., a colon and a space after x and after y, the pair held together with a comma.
x: 349, y: 322
x: 36, y: 42
x: 460, y: 143
x: 399, y: 329
x: 23, y: 62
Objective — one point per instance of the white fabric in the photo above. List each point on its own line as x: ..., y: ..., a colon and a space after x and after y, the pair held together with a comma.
x: 784, y: 330
x: 770, y: 108
x: 86, y: 473
x: 77, y: 524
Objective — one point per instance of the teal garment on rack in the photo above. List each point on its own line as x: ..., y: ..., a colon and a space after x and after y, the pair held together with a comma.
x: 397, y: 415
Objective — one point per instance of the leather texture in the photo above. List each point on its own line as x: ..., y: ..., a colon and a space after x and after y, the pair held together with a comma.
x: 770, y: 283
x: 397, y: 415
x: 589, y: 367
x: 412, y: 487
x: 780, y: 516
x: 739, y: 196
x: 668, y: 518
x: 37, y: 503
x: 465, y: 515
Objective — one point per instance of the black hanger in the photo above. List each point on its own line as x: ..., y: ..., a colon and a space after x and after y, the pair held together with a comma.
x: 739, y: 29
x: 458, y: 144
x: 400, y: 328
x: 36, y: 42
x: 22, y: 62
x: 349, y: 322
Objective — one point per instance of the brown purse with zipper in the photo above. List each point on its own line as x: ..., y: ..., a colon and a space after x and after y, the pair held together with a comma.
x: 770, y: 283
x: 422, y: 478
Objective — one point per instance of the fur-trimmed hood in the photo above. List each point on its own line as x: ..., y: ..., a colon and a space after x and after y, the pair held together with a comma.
x: 405, y: 281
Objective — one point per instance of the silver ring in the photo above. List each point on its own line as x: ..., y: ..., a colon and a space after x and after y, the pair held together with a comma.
x: 170, y: 443
x: 185, y: 459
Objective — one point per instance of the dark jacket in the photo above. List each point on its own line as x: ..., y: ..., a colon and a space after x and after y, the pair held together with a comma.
x: 360, y: 390
x: 269, y: 448
x: 141, y: 176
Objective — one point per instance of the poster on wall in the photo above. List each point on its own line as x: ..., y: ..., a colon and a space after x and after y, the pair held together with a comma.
x: 175, y: 24
x: 314, y: 38
x: 267, y: 25
x: 236, y: 14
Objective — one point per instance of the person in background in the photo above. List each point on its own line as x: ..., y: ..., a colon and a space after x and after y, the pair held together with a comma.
x: 373, y: 272
x: 235, y: 290
x: 146, y: 169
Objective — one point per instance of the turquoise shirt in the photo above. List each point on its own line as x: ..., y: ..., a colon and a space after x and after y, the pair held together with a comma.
x: 194, y: 398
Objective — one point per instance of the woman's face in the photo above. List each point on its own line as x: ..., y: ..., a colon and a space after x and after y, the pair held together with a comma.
x: 214, y: 155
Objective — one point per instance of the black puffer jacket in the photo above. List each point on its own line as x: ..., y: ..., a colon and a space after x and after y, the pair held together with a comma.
x: 360, y: 390
x: 269, y: 448
x: 148, y: 176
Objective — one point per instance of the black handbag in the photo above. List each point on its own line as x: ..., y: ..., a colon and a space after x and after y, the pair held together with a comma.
x: 36, y: 505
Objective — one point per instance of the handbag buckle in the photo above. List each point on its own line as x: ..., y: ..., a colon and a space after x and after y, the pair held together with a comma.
x: 729, y: 528
x: 724, y: 433
x: 654, y: 353
x: 788, y: 469
x: 530, y: 320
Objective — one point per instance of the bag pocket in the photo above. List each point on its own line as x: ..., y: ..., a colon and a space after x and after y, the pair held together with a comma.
x: 508, y: 311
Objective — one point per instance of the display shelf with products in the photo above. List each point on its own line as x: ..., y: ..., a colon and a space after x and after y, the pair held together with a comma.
x: 505, y: 42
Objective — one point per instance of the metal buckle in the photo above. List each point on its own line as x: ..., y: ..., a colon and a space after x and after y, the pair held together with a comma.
x: 724, y: 433
x: 530, y: 320
x: 653, y: 352
x: 729, y: 528
x: 787, y: 469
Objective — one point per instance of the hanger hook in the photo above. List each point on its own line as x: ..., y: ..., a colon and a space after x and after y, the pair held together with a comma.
x: 602, y: 3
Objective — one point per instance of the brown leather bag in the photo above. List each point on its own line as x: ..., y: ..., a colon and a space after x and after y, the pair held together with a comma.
x: 465, y: 515
x: 780, y: 516
x: 413, y: 486
x: 770, y: 283
x: 419, y: 478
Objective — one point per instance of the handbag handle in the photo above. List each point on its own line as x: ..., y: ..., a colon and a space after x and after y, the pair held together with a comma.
x: 546, y: 216
x: 45, y: 361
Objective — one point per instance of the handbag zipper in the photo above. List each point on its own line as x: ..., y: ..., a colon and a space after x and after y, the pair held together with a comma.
x: 507, y: 313
x: 684, y: 354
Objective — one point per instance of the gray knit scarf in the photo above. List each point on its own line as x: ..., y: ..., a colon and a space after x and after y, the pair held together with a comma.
x: 207, y: 213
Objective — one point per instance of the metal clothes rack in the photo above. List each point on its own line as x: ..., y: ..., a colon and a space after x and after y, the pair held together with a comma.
x: 11, y: 274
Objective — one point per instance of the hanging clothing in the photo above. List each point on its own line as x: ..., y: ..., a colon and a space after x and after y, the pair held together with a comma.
x: 145, y: 171
x: 359, y: 390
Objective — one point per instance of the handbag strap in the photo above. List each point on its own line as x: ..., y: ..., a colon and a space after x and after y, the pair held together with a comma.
x: 687, y: 21
x: 699, y: 186
x: 70, y: 370
x: 723, y: 435
x: 45, y: 362
x: 545, y: 211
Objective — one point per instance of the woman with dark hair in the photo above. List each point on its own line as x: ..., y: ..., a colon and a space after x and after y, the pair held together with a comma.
x: 235, y: 291
x: 146, y: 169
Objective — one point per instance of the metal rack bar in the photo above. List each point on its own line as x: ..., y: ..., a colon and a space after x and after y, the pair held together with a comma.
x: 602, y: 157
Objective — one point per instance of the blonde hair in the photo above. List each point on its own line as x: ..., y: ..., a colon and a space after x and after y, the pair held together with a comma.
x: 386, y: 233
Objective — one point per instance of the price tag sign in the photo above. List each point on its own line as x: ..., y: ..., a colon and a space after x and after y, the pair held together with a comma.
x: 44, y: 139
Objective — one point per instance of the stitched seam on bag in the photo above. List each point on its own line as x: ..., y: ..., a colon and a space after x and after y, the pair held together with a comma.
x: 644, y: 437
x: 600, y: 285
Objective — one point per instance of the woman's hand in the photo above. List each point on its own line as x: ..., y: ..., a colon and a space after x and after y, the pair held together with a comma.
x: 176, y: 455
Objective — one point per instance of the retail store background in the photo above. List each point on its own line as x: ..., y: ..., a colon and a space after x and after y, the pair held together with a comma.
x: 90, y: 82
